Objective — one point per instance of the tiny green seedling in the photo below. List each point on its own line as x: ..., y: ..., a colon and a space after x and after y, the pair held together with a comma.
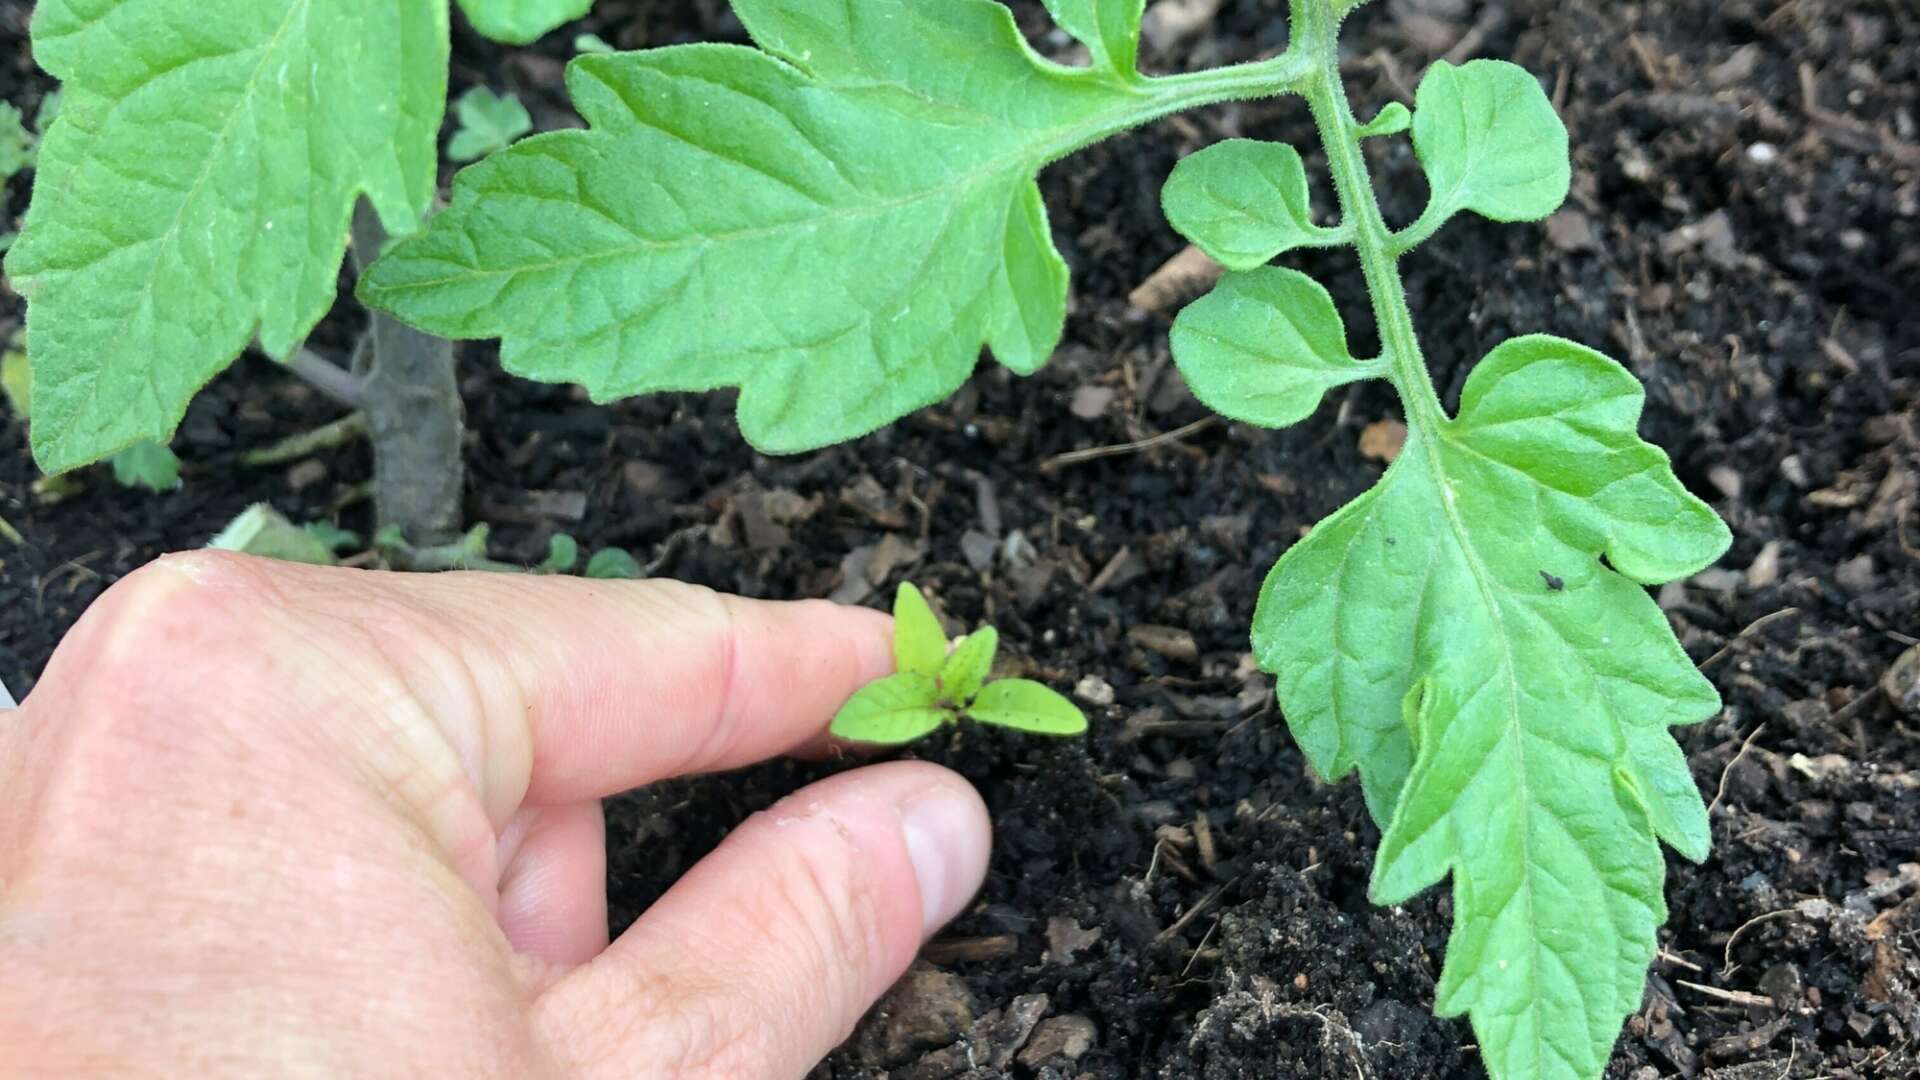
x: 937, y: 684
x: 488, y: 122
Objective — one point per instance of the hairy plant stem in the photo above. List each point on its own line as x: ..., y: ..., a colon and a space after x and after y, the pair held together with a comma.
x: 415, y: 417
x: 1316, y: 25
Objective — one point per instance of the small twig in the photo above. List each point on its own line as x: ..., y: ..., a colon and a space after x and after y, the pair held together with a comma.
x: 1197, y: 949
x: 1193, y: 913
x: 1726, y: 958
x: 1081, y: 457
x: 1750, y: 629
x: 1724, y: 773
x: 1736, y: 997
x: 963, y: 950
x: 347, y: 429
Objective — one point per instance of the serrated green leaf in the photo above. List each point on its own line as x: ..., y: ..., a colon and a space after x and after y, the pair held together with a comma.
x: 613, y: 564
x: 147, y: 464
x: 1264, y: 346
x: 1490, y: 142
x: 880, y: 219
x: 1027, y: 706
x: 1243, y: 202
x: 919, y: 641
x: 1393, y: 119
x: 518, y: 22
x: 1110, y: 29
x: 488, y: 122
x: 897, y: 709
x: 1466, y: 591
x: 966, y: 669
x: 196, y: 188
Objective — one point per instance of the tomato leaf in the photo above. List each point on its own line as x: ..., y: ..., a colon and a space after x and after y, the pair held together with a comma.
x: 1027, y: 706
x: 1474, y: 636
x: 518, y: 22
x: 897, y: 709
x: 196, y: 187
x: 1264, y: 346
x: 1243, y: 202
x: 1110, y: 29
x: 488, y: 122
x: 880, y: 219
x: 1490, y: 142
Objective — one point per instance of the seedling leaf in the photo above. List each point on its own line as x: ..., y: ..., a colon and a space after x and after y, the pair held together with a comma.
x: 1490, y: 142
x: 897, y: 709
x: 196, y: 188
x: 563, y: 554
x: 967, y: 668
x: 16, y: 142
x: 1027, y: 706
x: 1508, y: 731
x: 488, y: 122
x: 919, y: 642
x: 147, y: 464
x: 1243, y: 202
x: 613, y: 564
x: 518, y: 22
x: 1110, y: 29
x: 881, y: 154
x: 261, y: 530
x: 1264, y: 346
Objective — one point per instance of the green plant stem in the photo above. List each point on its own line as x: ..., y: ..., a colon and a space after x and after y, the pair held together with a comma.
x: 1316, y: 24
x: 1155, y: 98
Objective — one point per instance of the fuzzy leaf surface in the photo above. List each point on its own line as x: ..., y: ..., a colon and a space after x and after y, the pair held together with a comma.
x: 1264, y: 346
x: 1242, y: 202
x: 1025, y: 705
x: 517, y: 22
x: 1506, y: 696
x: 834, y: 224
x: 919, y: 642
x: 196, y: 188
x: 891, y: 711
x: 1490, y: 142
x: 1110, y: 29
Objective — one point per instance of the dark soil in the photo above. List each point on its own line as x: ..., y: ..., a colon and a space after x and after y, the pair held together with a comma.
x: 1744, y: 234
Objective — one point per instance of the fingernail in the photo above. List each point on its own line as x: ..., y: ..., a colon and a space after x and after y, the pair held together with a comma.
x: 947, y: 840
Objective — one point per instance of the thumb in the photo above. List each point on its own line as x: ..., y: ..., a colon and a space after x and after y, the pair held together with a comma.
x: 764, y: 956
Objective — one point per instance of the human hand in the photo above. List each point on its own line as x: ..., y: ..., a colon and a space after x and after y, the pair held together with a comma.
x: 260, y: 819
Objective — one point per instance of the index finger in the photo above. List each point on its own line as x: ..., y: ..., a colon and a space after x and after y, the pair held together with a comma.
x: 549, y: 690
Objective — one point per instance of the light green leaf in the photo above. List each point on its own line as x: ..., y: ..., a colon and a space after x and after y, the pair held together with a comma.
x: 592, y: 43
x: 196, y: 188
x: 16, y: 381
x: 563, y: 554
x: 261, y: 530
x: 897, y: 709
x: 880, y: 221
x: 1243, y: 202
x: 16, y: 142
x: 1507, y: 696
x: 1110, y: 29
x: 1264, y: 346
x: 613, y: 564
x: 1490, y: 142
x: 967, y: 668
x: 919, y: 642
x: 147, y: 464
x: 1027, y: 706
x: 488, y: 122
x: 333, y: 536
x: 518, y: 22
x: 1393, y: 119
